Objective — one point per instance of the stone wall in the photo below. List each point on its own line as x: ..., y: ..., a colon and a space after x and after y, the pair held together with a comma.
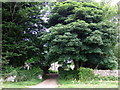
x: 107, y: 72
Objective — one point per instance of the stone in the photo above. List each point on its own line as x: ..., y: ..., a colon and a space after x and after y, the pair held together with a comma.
x: 40, y: 77
x: 11, y: 78
x: 1, y: 79
x: 107, y: 72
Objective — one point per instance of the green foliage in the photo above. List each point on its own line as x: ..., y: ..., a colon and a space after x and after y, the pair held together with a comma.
x: 8, y: 70
x: 32, y: 60
x: 71, y: 11
x: 21, y: 74
x: 68, y: 74
x: 81, y: 0
x: 79, y: 31
x: 52, y: 71
x: 28, y: 74
x: 108, y: 63
x: 85, y: 74
x: 109, y: 11
x: 21, y: 24
x: 117, y: 53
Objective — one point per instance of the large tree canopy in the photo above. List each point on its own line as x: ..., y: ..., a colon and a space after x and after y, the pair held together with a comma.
x: 21, y: 24
x: 78, y: 31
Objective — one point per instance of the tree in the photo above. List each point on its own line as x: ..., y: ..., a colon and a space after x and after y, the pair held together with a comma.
x: 21, y: 23
x: 22, y: 27
x: 79, y: 31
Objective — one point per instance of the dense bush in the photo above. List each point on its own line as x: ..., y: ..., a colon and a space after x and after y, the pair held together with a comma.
x: 68, y: 74
x: 8, y: 71
x: 28, y: 74
x: 85, y: 74
x: 21, y: 74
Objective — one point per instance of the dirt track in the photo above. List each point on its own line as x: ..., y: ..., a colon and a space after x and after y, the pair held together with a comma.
x: 51, y: 82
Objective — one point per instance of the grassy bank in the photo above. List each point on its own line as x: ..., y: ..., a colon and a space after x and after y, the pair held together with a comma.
x: 87, y: 84
x: 21, y: 84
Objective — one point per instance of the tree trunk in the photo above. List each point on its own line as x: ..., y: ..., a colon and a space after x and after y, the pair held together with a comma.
x: 77, y: 64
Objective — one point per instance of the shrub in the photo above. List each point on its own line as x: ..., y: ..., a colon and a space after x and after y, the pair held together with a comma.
x: 22, y: 74
x: 85, y: 74
x: 8, y: 71
x: 68, y: 74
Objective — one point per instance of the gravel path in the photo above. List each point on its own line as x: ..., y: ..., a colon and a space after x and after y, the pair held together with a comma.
x: 51, y: 82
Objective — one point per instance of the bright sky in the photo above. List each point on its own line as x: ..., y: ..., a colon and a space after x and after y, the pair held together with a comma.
x: 115, y: 1
x: 112, y: 3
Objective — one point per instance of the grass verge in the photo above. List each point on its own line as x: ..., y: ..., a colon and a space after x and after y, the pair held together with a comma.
x: 21, y: 84
x: 87, y: 84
